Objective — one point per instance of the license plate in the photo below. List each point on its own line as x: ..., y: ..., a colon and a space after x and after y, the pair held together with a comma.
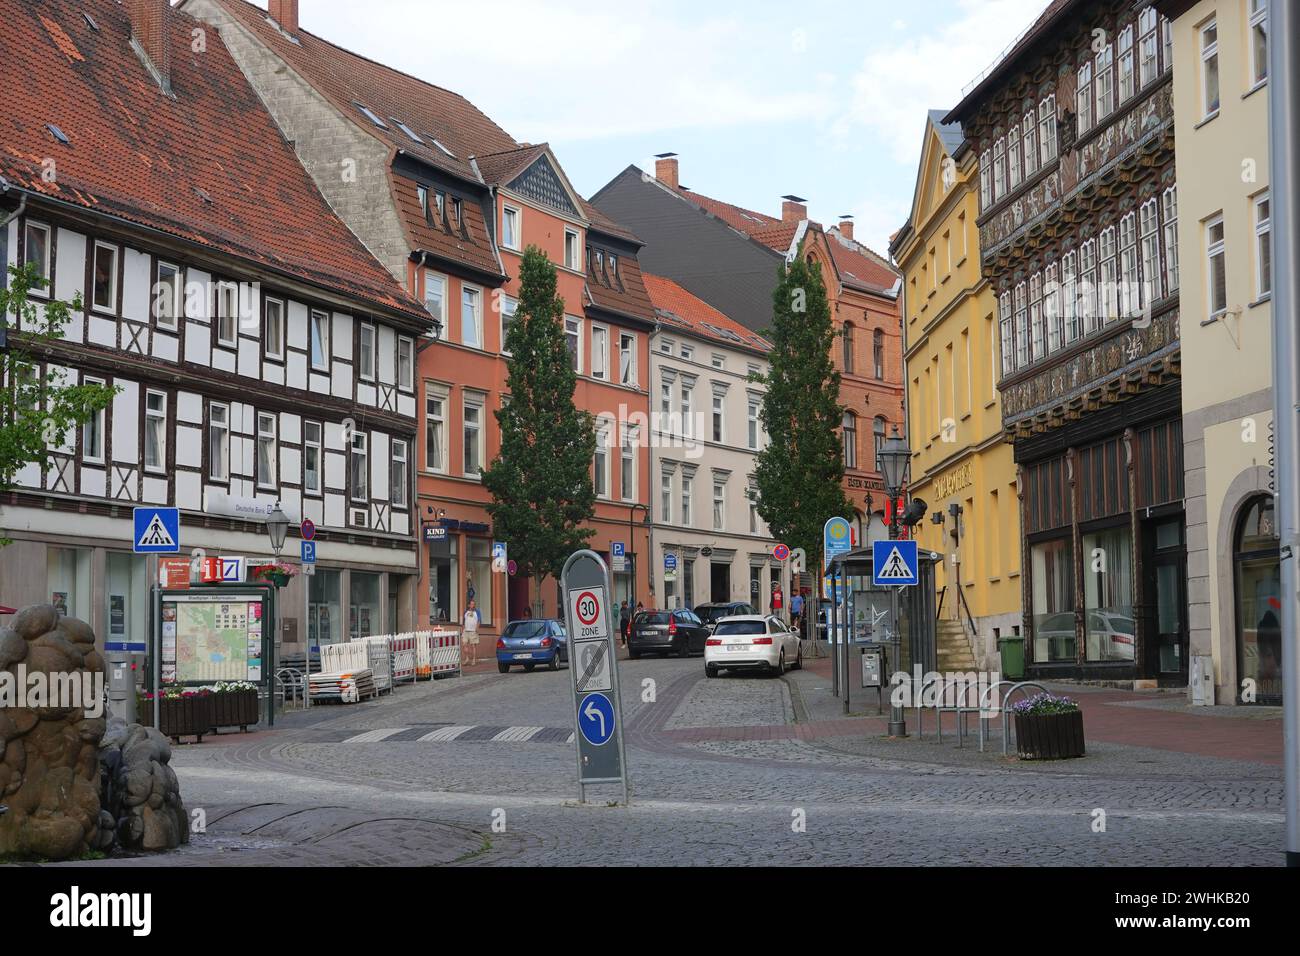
x: 648, y: 633
x: 737, y: 647
x: 523, y: 657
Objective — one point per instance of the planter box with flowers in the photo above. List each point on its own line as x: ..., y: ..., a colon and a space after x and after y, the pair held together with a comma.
x: 234, y: 704
x: 183, y: 712
x: 277, y: 573
x: 1048, y: 727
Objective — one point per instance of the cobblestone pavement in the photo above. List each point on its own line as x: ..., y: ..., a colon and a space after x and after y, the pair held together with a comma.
x: 843, y: 799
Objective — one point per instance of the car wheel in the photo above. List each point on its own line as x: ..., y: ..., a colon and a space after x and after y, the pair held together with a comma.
x: 779, y: 669
x: 710, y: 670
x: 530, y: 668
x: 555, y: 662
x: 503, y: 668
x: 685, y: 649
x: 798, y: 660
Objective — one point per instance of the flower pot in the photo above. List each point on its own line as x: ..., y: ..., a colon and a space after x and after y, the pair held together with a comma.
x: 1049, y: 736
x: 278, y: 578
x: 186, y: 716
x: 236, y: 708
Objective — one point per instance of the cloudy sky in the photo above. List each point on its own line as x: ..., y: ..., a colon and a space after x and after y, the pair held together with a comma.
x: 825, y: 99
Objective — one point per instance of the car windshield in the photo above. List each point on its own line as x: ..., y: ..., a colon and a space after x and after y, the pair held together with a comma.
x: 525, y: 629
x: 653, y: 617
x: 741, y: 627
x: 710, y: 614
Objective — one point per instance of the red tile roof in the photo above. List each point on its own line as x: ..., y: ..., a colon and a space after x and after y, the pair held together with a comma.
x: 501, y: 168
x: 680, y: 310
x: 438, y: 235
x: 206, y: 165
x: 858, y: 266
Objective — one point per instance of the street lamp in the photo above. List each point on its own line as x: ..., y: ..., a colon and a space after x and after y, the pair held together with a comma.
x: 277, y: 527
x: 893, y: 460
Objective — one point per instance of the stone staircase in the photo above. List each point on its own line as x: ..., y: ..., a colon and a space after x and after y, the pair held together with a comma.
x: 952, y: 648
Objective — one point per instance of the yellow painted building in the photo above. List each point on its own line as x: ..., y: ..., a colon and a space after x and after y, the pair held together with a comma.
x: 960, y: 459
x: 1221, y: 95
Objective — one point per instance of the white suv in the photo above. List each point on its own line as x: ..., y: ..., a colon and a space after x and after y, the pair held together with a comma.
x: 749, y: 641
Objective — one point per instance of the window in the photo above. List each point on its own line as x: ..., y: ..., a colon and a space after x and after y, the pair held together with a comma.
x: 1105, y: 67
x: 719, y: 505
x: 754, y: 519
x: 688, y: 429
x: 878, y: 440
x: 1052, y: 315
x: 510, y: 227
x: 1083, y: 98
x: 1130, y: 293
x: 273, y: 333
x: 999, y: 169
x: 986, y: 180
x: 1170, y: 203
x: 626, y: 359
x: 1013, y: 162
x: 627, y: 464
x: 1109, y: 629
x: 508, y: 307
x: 1070, y: 317
x: 1167, y: 33
x: 573, y: 339
x: 666, y: 346
x: 92, y: 433
x: 1107, y: 305
x: 168, y: 304
x: 155, y: 431
x: 435, y: 298
x: 600, y: 467
x: 440, y: 206
x: 572, y: 250
x: 613, y: 266
x: 1147, y: 26
x: 1151, y: 289
x: 1126, y: 72
x: 471, y: 318
x: 752, y: 420
x: 848, y: 348
x: 360, y: 467
x: 399, y: 473
x: 1008, y: 335
x: 665, y: 404
x: 36, y: 251
x: 218, y: 442
x: 1036, y: 316
x: 1052, y: 583
x: 718, y: 404
x: 366, y: 353
x: 1047, y: 130
x: 1210, y: 68
x: 405, y: 363
x: 105, y: 277
x: 687, y: 482
x: 457, y: 214
x: 718, y: 361
x: 666, y: 498
x: 227, y: 313
x: 1088, y: 297
x: 878, y: 352
x: 472, y: 423
x: 1030, y: 126
x: 266, y: 450
x: 1216, y: 271
x: 850, y: 434
x: 1022, y: 326
x: 1258, y: 41
x: 370, y: 115
x: 311, y: 457
x: 320, y: 340
x: 687, y: 352
x: 1255, y: 559
x: 1263, y: 247
x: 599, y: 352
x: 435, y: 428
x: 422, y: 195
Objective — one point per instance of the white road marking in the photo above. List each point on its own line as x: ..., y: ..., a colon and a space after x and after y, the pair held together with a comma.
x: 371, y: 736
x: 446, y: 734
x: 518, y: 734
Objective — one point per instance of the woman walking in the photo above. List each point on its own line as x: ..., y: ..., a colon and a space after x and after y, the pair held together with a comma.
x: 469, y: 637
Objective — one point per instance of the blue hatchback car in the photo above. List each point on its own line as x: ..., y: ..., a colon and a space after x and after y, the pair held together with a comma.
x: 530, y: 642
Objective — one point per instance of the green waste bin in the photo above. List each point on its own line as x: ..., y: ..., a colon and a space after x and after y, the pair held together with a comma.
x: 1012, y: 650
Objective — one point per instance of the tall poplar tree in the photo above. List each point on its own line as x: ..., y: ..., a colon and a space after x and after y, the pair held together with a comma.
x: 799, y: 474
x: 541, y: 483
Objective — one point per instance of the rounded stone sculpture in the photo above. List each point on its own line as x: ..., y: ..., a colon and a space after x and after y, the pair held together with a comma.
x: 140, y: 796
x: 49, y: 772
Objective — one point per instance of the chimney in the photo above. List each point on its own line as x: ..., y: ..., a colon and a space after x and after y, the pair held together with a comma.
x: 285, y: 13
x: 793, y: 209
x: 151, y: 34
x: 846, y: 226
x: 666, y: 169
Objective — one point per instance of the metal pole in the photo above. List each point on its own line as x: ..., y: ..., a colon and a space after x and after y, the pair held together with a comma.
x: 848, y: 630
x: 155, y: 634
x: 1284, y: 156
x: 833, y: 626
x: 306, y: 638
x: 897, y: 721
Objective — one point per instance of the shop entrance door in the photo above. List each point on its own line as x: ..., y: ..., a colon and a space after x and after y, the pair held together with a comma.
x: 1169, y: 577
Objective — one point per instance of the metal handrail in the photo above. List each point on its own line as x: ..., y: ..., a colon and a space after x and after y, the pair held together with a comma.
x: 1002, y: 707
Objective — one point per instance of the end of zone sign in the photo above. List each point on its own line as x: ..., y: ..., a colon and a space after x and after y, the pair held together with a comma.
x: 586, y: 616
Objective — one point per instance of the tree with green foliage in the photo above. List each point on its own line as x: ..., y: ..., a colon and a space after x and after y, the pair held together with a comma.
x: 799, y: 474
x: 541, y: 483
x: 39, y: 411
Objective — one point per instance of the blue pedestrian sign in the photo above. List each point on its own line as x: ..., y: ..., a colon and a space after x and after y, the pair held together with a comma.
x: 893, y: 562
x: 836, y: 538
x: 596, y: 718
x: 309, y: 552
x: 617, y: 549
x: 156, y: 531
x: 670, y: 562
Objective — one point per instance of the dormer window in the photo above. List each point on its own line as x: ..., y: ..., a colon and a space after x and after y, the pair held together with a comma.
x: 456, y: 214
x: 422, y: 193
x: 408, y: 131
x: 613, y: 264
x: 370, y: 115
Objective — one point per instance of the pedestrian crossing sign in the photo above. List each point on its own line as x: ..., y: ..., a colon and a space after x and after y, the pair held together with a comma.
x: 156, y: 531
x: 893, y: 562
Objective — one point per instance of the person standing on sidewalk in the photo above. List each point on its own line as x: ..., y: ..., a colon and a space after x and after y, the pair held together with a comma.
x: 624, y: 620
x: 796, y: 612
x: 469, y: 637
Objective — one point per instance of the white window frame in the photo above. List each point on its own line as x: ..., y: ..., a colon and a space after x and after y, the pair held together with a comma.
x: 1071, y: 318
x: 688, y: 494
x: 1030, y: 144
x: 1169, y: 218
x: 1013, y: 168
x: 1083, y: 97
x: 1127, y: 65
x: 1053, y: 317
x: 986, y: 179
x: 753, y: 416
x: 1215, y: 248
x: 95, y: 426
x: 627, y: 463
x: 267, y: 433
x: 688, y: 426
x: 157, y: 308
x: 438, y: 280
x: 400, y: 474
x: 472, y: 294
x: 317, y: 445
x: 1037, y: 331
x: 999, y: 169
x: 1263, y: 244
x: 30, y: 226
x: 318, y: 330
x: 1108, y: 277
x: 441, y: 394
x: 219, y: 428
x: 1008, y: 334
x: 1089, y: 298
x: 509, y: 212
x: 600, y: 352
x: 227, y: 311
x: 367, y: 355
x: 1130, y: 290
x: 269, y: 305
x: 1210, y: 63
x: 573, y: 333
x: 572, y: 250
x: 1149, y: 238
x: 478, y: 401
x: 627, y: 347
x: 1047, y: 130
x: 719, y: 504
x: 718, y: 418
x: 1104, y: 64
x: 359, y: 447
x: 111, y: 308
x: 155, y: 414
x: 1022, y: 324
x: 666, y: 497
x: 600, y: 460
x: 1148, y: 65
x: 1257, y: 22
x: 406, y: 379
x: 509, y: 309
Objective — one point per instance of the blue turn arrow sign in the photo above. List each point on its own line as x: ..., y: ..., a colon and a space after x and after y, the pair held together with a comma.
x: 596, y: 718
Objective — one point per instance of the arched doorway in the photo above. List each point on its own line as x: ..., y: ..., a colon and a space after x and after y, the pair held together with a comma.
x: 1258, y: 608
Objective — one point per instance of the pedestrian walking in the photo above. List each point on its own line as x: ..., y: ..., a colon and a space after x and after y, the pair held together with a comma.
x: 469, y: 636
x: 796, y: 611
x: 624, y: 621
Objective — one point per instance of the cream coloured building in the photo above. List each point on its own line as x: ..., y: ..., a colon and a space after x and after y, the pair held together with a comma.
x: 705, y: 431
x: 1221, y: 116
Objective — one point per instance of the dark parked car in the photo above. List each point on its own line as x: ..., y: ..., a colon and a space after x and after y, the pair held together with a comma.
x: 677, y: 632
x: 531, y: 642
x: 711, y: 613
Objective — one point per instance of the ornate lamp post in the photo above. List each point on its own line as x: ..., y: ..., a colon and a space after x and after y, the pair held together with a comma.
x: 893, y: 460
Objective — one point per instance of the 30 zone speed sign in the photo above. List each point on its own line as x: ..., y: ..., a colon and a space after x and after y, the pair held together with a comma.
x: 587, y: 617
